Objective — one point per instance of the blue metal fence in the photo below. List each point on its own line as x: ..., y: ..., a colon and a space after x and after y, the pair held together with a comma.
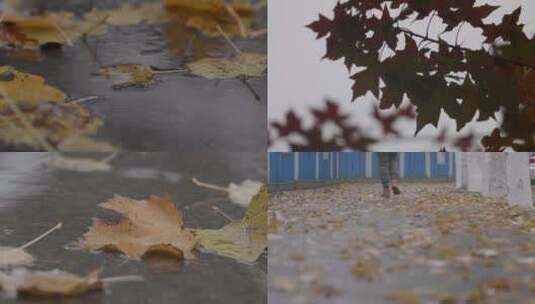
x: 332, y: 166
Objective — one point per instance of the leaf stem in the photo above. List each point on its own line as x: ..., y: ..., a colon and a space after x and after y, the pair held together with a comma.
x: 208, y: 186
x: 228, y: 40
x: 120, y: 279
x: 251, y: 89
x: 223, y: 214
x: 28, y: 244
x: 232, y: 12
x: 83, y: 99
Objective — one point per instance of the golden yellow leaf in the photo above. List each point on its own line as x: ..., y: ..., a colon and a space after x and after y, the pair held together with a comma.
x: 48, y: 283
x: 242, y: 65
x: 366, y: 267
x: 404, y: 296
x: 128, y: 75
x: 208, y: 24
x: 52, y: 123
x: 81, y: 143
x: 243, y: 240
x: 240, y: 6
x: 153, y: 225
x: 26, y: 89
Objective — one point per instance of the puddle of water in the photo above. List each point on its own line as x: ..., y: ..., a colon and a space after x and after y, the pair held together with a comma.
x: 20, y: 175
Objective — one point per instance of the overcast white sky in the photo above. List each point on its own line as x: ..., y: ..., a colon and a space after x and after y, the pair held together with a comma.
x: 298, y: 79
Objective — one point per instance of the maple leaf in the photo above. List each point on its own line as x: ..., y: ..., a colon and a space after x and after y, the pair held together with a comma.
x: 153, y: 225
x: 244, y: 240
x: 54, y: 283
x: 241, y: 65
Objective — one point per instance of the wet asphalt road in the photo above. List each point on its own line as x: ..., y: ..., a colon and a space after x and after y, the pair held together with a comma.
x: 180, y: 112
x: 34, y: 197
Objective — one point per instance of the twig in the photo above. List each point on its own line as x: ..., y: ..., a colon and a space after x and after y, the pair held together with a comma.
x: 208, y: 186
x: 258, y: 33
x: 109, y: 158
x: 512, y: 61
x: 223, y: 214
x: 92, y: 52
x: 251, y: 89
x: 58, y: 226
x: 26, y: 122
x: 232, y: 12
x: 229, y: 41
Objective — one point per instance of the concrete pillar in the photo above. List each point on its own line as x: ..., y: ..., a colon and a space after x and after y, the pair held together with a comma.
x: 495, y: 176
x: 518, y: 180
x: 475, y: 175
x: 459, y: 170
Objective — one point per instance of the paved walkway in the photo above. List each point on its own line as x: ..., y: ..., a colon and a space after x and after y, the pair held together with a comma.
x: 432, y: 244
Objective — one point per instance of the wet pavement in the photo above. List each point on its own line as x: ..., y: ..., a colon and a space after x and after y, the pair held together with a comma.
x: 34, y: 197
x: 180, y: 112
x: 432, y: 244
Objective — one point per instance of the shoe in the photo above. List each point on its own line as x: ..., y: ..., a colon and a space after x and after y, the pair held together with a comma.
x: 386, y: 192
x: 396, y: 190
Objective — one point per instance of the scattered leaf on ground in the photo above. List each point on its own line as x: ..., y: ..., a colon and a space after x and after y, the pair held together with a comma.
x: 26, y: 89
x: 404, y: 296
x: 366, y: 267
x: 47, y: 283
x: 240, y: 6
x: 79, y: 164
x: 14, y: 256
x: 128, y: 75
x: 242, y: 65
x: 11, y: 256
x: 153, y: 225
x: 244, y: 240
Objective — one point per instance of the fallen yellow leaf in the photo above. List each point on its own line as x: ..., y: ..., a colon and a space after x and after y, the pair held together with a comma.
x: 244, y: 240
x: 48, y: 283
x: 242, y: 65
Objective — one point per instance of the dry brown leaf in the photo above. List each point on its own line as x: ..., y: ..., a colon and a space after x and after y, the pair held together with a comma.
x: 56, y: 283
x: 31, y: 32
x: 404, y: 296
x: 153, y: 225
x: 366, y: 267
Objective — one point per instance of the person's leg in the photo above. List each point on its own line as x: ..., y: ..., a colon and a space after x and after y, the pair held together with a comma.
x: 394, y: 172
x: 384, y: 173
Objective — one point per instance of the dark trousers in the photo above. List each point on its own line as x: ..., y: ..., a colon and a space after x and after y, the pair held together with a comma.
x: 388, y: 167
